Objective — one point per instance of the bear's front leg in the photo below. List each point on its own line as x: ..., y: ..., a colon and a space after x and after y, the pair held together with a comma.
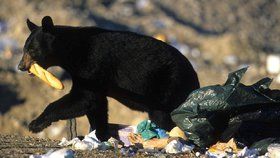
x: 71, y: 105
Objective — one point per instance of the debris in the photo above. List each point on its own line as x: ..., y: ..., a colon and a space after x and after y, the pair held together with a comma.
x: 177, y: 132
x: 221, y: 112
x: 274, y: 150
x: 230, y: 146
x: 175, y: 147
x: 115, y: 143
x: 197, y: 154
x: 155, y: 143
x: 128, y: 151
x: 135, y: 139
x: 105, y: 146
x: 248, y: 153
x: 149, y: 130
x: 244, y: 153
x: 88, y: 143
x: 61, y: 153
x: 161, y: 133
x: 124, y: 134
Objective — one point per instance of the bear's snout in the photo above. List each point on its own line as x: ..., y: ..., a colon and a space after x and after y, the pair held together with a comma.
x: 25, y: 62
x: 21, y: 66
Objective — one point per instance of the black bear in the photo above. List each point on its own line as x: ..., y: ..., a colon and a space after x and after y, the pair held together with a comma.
x: 139, y: 71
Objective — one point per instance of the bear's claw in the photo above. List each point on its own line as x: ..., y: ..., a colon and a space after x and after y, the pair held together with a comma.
x: 37, y: 126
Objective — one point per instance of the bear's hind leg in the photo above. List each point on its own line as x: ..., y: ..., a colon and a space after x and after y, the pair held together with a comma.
x: 162, y: 119
x: 98, y: 118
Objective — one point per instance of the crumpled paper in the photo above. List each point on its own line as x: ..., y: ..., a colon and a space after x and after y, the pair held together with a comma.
x: 61, y: 153
x: 177, y: 132
x: 88, y: 143
x: 274, y: 150
x: 175, y: 147
x: 230, y: 149
x: 229, y: 146
x: 248, y: 153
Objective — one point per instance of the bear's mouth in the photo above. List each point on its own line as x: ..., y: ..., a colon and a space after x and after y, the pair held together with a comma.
x: 30, y: 74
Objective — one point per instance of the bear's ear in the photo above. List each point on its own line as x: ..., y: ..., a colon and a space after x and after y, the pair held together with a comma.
x: 47, y: 24
x: 31, y: 25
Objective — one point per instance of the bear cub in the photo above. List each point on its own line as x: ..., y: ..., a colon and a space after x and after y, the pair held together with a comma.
x: 141, y: 72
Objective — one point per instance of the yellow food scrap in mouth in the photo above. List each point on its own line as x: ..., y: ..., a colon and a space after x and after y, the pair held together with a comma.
x: 46, y: 76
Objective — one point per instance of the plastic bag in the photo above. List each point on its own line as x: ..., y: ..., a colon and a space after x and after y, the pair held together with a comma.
x: 220, y: 112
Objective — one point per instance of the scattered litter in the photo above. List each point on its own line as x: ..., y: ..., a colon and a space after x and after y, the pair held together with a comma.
x: 175, y: 147
x: 155, y: 143
x: 124, y: 133
x: 230, y: 146
x: 128, y: 151
x: 105, y: 146
x: 197, y: 154
x: 244, y: 153
x: 177, y: 132
x: 61, y: 153
x: 274, y: 151
x: 114, y: 143
x: 148, y: 130
x: 88, y: 143
x: 248, y: 153
x: 135, y: 139
x: 161, y: 133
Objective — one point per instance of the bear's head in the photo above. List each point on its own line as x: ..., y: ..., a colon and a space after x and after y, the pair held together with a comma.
x: 39, y: 45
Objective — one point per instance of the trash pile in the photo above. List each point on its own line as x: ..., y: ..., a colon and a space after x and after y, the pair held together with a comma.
x: 146, y: 137
x: 231, y: 120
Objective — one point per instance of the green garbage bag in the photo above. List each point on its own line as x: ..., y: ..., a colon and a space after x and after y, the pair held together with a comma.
x: 220, y: 112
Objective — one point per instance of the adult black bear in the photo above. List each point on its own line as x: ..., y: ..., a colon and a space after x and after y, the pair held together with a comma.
x: 139, y: 71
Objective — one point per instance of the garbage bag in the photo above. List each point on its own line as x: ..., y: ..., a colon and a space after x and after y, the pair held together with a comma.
x: 220, y: 112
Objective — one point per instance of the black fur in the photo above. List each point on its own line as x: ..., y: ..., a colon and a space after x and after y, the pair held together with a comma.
x: 139, y: 71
